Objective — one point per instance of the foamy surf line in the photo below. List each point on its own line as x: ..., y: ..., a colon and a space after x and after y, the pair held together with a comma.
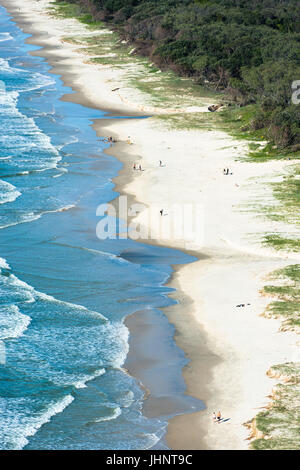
x: 8, y: 192
x: 30, y: 217
x: 13, y: 280
x: 21, y: 435
x: 31, y: 136
x: 5, y: 37
x: 13, y: 324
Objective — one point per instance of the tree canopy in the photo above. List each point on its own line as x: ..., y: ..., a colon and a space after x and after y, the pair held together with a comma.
x: 248, y: 48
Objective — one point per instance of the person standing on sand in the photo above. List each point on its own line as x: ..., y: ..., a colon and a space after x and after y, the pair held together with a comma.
x: 140, y: 167
x: 161, y: 211
x: 134, y: 166
x: 214, y: 417
x: 219, y: 416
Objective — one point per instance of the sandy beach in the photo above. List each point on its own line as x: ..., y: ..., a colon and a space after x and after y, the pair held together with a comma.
x: 229, y: 348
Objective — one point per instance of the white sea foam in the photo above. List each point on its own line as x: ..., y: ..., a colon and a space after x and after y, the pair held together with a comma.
x: 82, y: 382
x: 66, y: 208
x: 18, y: 437
x: 13, y: 280
x: 22, y: 134
x: 43, y: 296
x: 72, y: 139
x: 120, y: 331
x: 25, y: 218
x: 4, y: 65
x: 31, y: 216
x: 152, y: 439
x: 5, y: 37
x: 115, y: 413
x: 63, y: 172
x: 13, y: 323
x: 31, y: 81
x: 17, y: 282
x: 128, y: 399
x: 26, y: 291
x: 8, y: 192
x: 117, y: 332
x: 111, y: 256
x: 4, y: 264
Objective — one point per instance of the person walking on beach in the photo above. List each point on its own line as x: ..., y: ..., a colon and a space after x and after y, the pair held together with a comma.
x: 219, y: 416
x: 161, y: 211
x: 134, y: 166
x: 140, y: 167
x: 214, y: 417
x: 160, y: 163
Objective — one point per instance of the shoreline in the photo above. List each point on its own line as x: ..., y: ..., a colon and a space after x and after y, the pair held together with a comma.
x: 223, y: 356
x: 137, y: 361
x: 198, y: 334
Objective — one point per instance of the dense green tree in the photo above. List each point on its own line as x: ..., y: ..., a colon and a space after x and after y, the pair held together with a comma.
x: 248, y: 48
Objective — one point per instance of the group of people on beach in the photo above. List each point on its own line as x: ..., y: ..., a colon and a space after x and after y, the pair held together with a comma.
x: 110, y: 140
x: 217, y: 417
x: 137, y: 168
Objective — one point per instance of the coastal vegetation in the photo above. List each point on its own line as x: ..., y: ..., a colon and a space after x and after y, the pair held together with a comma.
x: 277, y: 428
x: 161, y: 89
x: 285, y: 290
x: 247, y: 49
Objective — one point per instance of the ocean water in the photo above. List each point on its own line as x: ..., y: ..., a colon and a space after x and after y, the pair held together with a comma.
x: 64, y: 294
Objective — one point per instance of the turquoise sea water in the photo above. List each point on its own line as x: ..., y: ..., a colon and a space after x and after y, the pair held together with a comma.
x: 64, y: 294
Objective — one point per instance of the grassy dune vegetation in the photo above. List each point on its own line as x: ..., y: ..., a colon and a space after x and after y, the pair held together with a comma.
x: 163, y: 89
x: 286, y: 294
x: 278, y: 427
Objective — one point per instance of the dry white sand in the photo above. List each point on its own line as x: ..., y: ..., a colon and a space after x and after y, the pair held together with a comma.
x: 230, y: 233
